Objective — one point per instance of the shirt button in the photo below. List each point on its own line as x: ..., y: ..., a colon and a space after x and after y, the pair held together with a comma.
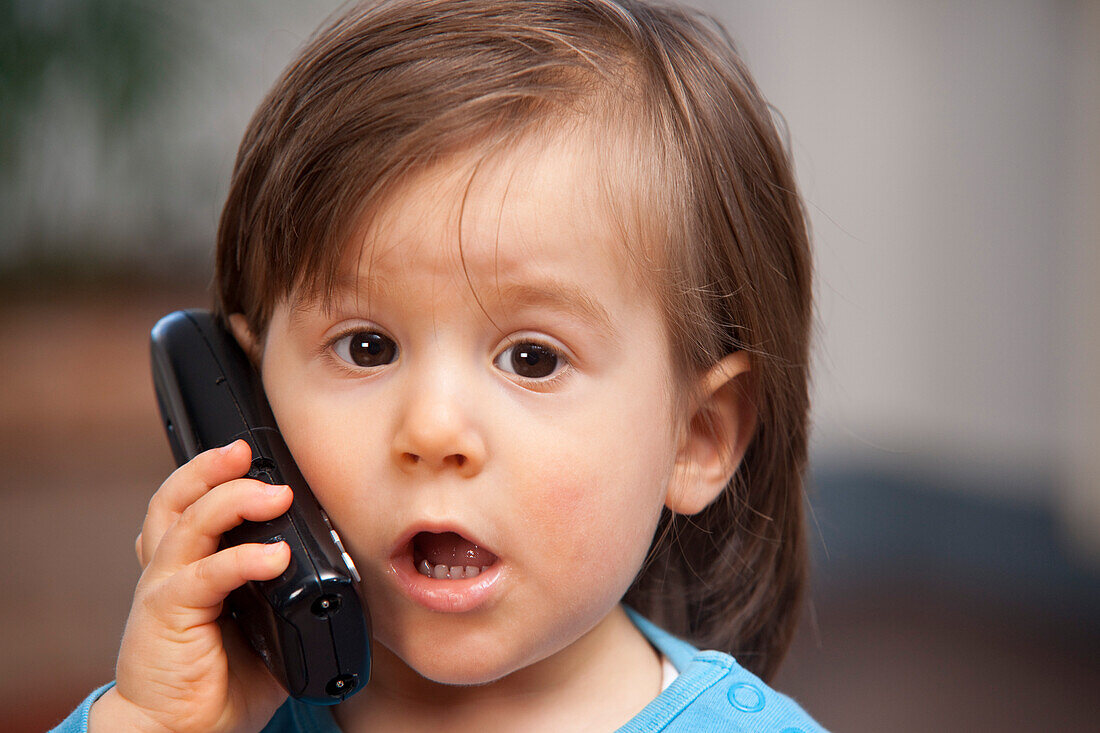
x: 746, y: 698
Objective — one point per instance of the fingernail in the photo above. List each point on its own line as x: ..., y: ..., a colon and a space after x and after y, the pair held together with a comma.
x: 226, y: 448
x: 273, y: 547
x: 274, y: 489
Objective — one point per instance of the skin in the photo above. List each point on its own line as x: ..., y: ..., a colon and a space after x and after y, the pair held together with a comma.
x: 562, y: 476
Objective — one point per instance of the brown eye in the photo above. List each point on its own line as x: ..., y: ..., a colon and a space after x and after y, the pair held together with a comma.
x: 367, y: 349
x: 529, y: 360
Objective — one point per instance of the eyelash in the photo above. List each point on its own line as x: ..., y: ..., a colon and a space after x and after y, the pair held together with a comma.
x: 328, y: 350
x: 543, y: 384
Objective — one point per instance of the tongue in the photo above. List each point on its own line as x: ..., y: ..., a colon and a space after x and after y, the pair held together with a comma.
x: 449, y: 549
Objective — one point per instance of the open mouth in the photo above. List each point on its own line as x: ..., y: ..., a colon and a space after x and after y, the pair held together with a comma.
x: 449, y: 556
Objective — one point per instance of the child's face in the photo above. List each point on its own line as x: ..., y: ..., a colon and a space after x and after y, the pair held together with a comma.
x: 518, y: 394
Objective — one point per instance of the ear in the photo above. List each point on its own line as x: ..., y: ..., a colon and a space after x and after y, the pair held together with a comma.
x: 246, y: 338
x: 716, y: 435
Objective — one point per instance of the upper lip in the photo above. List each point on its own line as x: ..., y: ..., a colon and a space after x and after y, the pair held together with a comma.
x: 404, y: 543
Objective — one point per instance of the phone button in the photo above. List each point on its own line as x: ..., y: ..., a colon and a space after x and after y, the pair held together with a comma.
x: 340, y: 546
x: 351, y: 566
x: 342, y: 686
x: 262, y: 469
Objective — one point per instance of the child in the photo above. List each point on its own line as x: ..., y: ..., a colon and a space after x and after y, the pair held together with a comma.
x: 528, y: 284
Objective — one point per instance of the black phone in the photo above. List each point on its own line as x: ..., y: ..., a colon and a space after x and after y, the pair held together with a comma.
x: 308, y: 624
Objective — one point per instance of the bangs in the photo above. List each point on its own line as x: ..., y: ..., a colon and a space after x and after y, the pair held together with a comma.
x: 609, y: 175
x: 374, y: 101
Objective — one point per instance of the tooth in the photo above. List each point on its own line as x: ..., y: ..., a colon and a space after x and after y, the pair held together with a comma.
x: 472, y: 571
x: 425, y: 568
x: 439, y: 572
x: 484, y: 568
x: 458, y: 571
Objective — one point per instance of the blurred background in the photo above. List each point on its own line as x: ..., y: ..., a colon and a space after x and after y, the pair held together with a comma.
x: 949, y: 153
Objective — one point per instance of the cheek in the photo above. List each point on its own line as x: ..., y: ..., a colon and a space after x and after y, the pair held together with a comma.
x: 561, y: 491
x: 308, y: 437
x: 597, y: 501
x: 330, y: 449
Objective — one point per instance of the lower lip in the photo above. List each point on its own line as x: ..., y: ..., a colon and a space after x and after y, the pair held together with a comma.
x: 445, y: 595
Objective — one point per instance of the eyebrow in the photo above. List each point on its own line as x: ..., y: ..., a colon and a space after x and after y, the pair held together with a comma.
x: 556, y: 295
x: 549, y: 293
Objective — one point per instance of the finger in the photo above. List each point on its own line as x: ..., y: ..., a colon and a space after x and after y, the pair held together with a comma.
x: 246, y: 664
x: 186, y: 484
x: 197, y: 533
x: 194, y: 595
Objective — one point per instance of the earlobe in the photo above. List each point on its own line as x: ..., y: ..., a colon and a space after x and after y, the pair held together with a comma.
x: 238, y: 325
x: 716, y: 435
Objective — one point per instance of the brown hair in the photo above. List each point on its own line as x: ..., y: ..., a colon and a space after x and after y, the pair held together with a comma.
x: 386, y: 89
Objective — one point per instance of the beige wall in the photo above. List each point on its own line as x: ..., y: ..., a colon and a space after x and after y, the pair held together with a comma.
x: 1080, y: 327
x: 950, y: 155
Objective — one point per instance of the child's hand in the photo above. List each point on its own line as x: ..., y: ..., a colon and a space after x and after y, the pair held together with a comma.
x: 181, y: 667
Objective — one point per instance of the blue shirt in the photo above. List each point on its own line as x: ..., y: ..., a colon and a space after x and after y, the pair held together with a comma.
x: 712, y: 693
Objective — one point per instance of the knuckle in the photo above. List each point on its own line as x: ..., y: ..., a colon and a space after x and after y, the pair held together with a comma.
x: 189, y: 519
x: 204, y: 571
x: 155, y: 501
x: 187, y: 528
x: 161, y: 500
x: 150, y: 600
x: 240, y: 558
x: 179, y: 474
x: 156, y: 604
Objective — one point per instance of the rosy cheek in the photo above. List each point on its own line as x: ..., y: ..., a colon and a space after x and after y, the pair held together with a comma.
x: 577, y: 511
x: 556, y: 500
x: 558, y: 489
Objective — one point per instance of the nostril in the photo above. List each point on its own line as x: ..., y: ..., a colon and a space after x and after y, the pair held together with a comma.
x: 454, y: 460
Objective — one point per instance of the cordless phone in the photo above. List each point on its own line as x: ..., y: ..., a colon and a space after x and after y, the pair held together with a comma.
x: 308, y: 624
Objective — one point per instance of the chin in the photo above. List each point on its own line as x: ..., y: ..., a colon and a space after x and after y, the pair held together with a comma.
x: 453, y: 678
x: 460, y: 660
x: 447, y: 667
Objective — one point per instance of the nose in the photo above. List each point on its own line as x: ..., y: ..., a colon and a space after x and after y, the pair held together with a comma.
x: 437, y: 432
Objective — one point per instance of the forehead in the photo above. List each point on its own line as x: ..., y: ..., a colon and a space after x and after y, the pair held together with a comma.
x: 528, y: 222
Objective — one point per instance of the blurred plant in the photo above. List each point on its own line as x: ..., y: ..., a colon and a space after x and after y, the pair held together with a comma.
x: 115, y: 52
